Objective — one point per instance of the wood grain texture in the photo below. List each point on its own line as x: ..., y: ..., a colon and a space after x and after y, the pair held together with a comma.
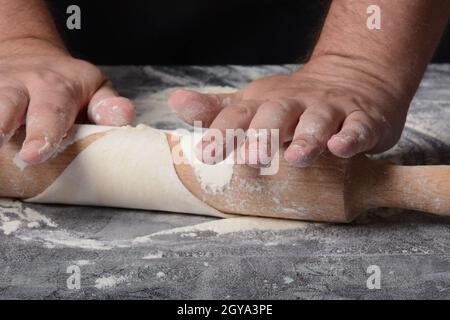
x: 316, y: 193
x: 33, y: 180
x: 420, y: 188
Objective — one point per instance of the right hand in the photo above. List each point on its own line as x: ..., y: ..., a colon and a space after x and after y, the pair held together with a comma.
x: 42, y: 86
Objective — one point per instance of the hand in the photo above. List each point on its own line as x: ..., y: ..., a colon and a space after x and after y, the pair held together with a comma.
x: 330, y: 104
x: 42, y: 86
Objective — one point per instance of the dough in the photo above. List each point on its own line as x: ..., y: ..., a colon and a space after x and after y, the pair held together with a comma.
x: 127, y: 168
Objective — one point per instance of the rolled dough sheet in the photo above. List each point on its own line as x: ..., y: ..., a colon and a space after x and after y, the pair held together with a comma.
x: 126, y: 168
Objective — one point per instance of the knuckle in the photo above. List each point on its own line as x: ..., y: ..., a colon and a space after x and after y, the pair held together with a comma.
x: 365, y: 130
x: 49, y: 110
x: 312, y: 138
x: 334, y: 94
x: 320, y: 114
x: 370, y: 126
x: 56, y: 82
x: 13, y: 97
x: 278, y: 106
x: 241, y: 111
x: 57, y: 110
x: 90, y: 69
x: 8, y: 100
x: 360, y: 101
x: 46, y: 77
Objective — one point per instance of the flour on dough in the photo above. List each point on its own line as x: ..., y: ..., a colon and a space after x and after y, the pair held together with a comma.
x: 212, y: 178
x: 126, y: 168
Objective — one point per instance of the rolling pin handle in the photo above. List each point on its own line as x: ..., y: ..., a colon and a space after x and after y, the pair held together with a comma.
x: 419, y: 188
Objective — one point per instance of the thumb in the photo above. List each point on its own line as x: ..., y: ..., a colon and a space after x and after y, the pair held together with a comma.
x: 193, y: 106
x: 108, y: 108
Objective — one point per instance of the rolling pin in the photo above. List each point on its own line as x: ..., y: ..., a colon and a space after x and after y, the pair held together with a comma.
x: 331, y: 190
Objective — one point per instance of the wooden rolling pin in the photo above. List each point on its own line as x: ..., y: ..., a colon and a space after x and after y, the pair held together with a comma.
x: 332, y: 190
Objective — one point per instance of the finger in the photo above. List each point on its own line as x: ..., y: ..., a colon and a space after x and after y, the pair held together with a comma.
x: 51, y: 113
x: 314, y: 129
x: 227, y: 131
x: 274, y: 117
x: 358, y: 134
x: 13, y: 105
x: 108, y: 108
x: 194, y: 106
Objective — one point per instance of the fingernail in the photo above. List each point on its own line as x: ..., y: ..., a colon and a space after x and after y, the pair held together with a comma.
x: 347, y: 149
x: 300, y: 155
x: 344, y: 138
x: 112, y: 111
x: 119, y: 116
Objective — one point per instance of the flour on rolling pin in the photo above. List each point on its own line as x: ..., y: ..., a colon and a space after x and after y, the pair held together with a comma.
x: 77, y: 134
x: 19, y: 163
x: 212, y: 178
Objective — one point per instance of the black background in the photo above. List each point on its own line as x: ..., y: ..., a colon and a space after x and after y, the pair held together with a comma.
x: 197, y: 31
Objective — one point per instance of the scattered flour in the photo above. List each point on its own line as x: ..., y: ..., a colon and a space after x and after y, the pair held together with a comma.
x: 288, y: 280
x: 14, y: 216
x: 64, y: 238
x: 28, y: 224
x: 110, y: 282
x: 156, y: 255
x: 230, y: 225
x: 33, y: 225
x: 59, y: 237
x: 82, y: 263
x: 9, y: 227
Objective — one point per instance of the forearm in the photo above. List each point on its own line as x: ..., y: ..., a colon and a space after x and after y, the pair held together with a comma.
x: 28, y: 21
x: 399, y: 52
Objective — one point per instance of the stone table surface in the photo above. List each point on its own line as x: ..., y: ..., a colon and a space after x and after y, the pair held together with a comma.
x: 44, y: 247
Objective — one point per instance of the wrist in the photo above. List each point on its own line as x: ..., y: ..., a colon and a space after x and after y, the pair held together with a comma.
x: 27, y: 44
x: 357, y: 70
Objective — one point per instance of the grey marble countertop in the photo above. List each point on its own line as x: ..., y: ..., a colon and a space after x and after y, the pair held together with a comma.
x: 42, y: 245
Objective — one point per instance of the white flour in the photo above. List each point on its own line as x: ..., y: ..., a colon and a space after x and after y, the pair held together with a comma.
x: 29, y: 225
x: 83, y: 263
x: 287, y: 280
x: 156, y: 255
x: 230, y: 225
x: 212, y: 178
x: 110, y: 282
x: 9, y: 227
x: 14, y: 216
x: 19, y: 163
